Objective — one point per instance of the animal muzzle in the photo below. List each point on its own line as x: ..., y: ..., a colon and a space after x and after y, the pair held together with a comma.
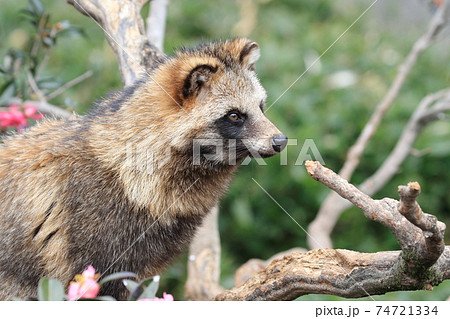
x: 279, y: 142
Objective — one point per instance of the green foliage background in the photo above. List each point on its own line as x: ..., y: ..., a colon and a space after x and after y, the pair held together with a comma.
x: 251, y: 224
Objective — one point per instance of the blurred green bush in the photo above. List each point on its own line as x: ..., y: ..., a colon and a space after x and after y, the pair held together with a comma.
x: 329, y: 104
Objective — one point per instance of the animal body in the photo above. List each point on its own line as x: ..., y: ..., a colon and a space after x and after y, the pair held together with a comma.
x: 123, y: 188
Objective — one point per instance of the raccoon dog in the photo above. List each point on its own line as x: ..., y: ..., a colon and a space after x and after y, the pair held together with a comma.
x: 125, y: 187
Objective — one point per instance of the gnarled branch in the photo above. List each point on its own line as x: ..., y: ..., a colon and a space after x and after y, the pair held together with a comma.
x: 204, y: 261
x: 254, y: 265
x: 423, y: 262
x: 124, y: 28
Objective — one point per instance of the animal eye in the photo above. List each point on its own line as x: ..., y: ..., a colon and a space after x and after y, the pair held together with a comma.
x: 234, y: 116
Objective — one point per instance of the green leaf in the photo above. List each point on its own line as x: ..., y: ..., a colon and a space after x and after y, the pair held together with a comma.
x: 105, y: 298
x: 36, y: 7
x: 15, y: 54
x: 48, y: 41
x: 30, y: 16
x: 71, y: 31
x: 64, y: 24
x: 134, y: 295
x: 7, y: 92
x: 117, y: 276
x: 100, y: 298
x: 130, y: 285
x: 50, y: 289
x: 150, y: 291
x: 146, y: 289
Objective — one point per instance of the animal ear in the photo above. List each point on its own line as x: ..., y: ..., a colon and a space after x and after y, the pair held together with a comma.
x: 249, y: 55
x: 198, y: 76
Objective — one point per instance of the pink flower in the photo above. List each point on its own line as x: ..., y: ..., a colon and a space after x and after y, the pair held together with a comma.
x: 14, y: 117
x: 89, y: 272
x: 6, y: 119
x: 30, y: 112
x: 85, y: 285
x: 166, y: 297
x: 18, y: 119
x: 14, y: 107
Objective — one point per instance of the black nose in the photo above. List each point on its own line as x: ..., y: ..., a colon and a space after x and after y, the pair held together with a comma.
x: 279, y: 142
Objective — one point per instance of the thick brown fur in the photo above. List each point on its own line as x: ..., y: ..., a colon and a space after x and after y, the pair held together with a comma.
x: 117, y: 188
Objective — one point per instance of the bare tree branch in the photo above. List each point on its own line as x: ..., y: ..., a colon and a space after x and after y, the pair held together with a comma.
x: 124, y: 28
x: 253, y: 266
x: 69, y: 84
x: 42, y: 105
x: 439, y: 20
x: 204, y: 261
x: 156, y: 22
x: 418, y: 121
x: 248, y: 11
x: 433, y: 230
x: 423, y: 262
x: 412, y: 240
x: 428, y: 110
x: 34, y: 87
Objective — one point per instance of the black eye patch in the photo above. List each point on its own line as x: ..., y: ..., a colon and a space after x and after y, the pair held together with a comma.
x: 228, y: 128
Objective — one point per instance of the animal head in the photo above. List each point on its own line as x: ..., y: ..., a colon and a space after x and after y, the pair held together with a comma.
x: 213, y: 99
